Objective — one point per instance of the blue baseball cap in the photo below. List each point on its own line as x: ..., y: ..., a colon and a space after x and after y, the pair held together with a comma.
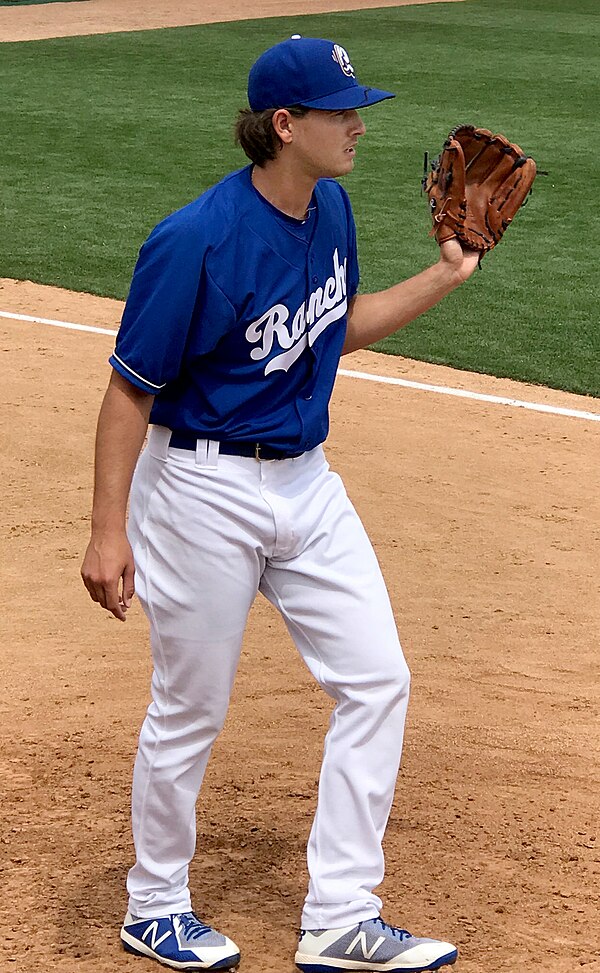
x: 308, y: 71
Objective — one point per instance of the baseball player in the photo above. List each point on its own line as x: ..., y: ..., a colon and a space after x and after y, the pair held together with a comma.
x: 240, y: 307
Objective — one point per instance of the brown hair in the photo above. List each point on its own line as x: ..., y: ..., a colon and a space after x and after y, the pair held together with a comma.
x: 255, y: 133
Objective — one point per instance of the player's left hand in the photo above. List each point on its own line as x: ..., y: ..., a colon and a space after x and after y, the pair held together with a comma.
x: 458, y: 258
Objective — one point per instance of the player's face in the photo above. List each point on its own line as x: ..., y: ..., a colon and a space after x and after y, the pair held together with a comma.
x: 324, y: 142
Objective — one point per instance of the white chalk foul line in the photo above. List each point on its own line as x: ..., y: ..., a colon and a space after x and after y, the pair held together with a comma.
x: 365, y: 376
x: 480, y: 396
x: 55, y: 324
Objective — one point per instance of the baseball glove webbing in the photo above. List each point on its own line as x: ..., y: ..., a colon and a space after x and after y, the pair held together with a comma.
x: 476, y: 186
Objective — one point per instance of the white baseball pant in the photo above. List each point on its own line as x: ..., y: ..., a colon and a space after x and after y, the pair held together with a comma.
x: 208, y: 532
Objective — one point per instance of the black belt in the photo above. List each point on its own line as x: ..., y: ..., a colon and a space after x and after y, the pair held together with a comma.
x: 186, y: 440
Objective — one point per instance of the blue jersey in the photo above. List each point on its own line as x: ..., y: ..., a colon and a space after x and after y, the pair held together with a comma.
x: 236, y: 315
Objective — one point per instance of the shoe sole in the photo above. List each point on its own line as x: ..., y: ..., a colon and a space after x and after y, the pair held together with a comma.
x: 309, y: 964
x: 229, y: 963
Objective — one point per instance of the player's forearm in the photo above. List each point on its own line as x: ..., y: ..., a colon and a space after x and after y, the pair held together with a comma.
x: 375, y: 316
x: 122, y: 426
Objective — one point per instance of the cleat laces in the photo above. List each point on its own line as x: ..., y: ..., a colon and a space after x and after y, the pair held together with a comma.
x: 192, y: 926
x: 400, y: 934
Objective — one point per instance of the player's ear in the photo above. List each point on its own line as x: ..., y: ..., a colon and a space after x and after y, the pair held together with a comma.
x: 281, y: 122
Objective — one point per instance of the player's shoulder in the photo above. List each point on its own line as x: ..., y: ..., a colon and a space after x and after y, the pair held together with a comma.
x: 333, y: 189
x: 333, y: 193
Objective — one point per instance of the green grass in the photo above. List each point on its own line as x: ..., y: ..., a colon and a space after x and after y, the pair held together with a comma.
x: 104, y: 135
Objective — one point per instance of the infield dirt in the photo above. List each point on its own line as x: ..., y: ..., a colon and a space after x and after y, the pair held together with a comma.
x: 485, y: 520
x: 106, y: 16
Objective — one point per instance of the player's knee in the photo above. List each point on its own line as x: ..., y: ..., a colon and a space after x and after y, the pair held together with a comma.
x: 394, y: 672
x: 403, y: 677
x: 211, y: 717
x: 387, y: 686
x: 398, y: 681
x: 193, y: 718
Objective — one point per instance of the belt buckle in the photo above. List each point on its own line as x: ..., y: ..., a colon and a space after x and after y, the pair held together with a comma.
x: 257, y: 448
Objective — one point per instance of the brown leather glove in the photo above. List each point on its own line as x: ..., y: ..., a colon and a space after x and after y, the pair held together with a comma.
x: 475, y: 187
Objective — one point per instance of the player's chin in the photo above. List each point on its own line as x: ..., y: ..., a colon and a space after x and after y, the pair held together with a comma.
x: 345, y: 166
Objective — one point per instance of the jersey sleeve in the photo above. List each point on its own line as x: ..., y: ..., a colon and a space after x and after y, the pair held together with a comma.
x: 170, y: 294
x: 352, y: 270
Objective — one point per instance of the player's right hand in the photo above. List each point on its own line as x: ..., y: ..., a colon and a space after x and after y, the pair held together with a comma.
x: 108, y: 573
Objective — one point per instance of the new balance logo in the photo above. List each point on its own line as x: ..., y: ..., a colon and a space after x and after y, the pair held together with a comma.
x: 361, y: 938
x: 152, y: 932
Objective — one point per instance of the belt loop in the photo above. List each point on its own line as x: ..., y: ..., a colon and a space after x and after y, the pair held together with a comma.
x: 207, y: 454
x: 201, y: 452
x: 212, y: 454
x: 158, y: 442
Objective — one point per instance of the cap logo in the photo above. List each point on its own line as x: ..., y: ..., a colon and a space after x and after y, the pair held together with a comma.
x: 341, y: 56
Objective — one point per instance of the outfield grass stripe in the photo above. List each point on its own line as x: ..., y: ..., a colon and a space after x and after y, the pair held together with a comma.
x: 362, y: 376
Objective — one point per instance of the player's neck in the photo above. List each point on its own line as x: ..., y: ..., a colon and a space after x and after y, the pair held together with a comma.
x: 286, y: 190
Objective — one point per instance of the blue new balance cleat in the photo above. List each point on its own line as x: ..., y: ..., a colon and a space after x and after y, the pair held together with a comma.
x: 371, y: 945
x: 181, y: 941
